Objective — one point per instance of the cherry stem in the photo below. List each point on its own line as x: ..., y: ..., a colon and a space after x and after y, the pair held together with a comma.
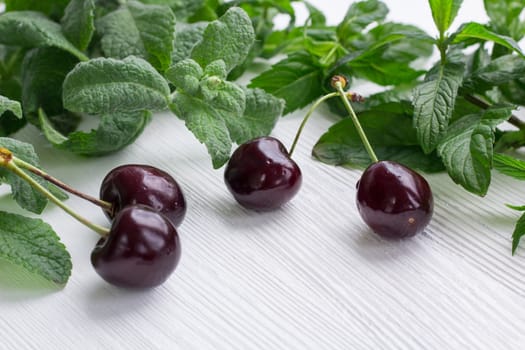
x: 307, y: 116
x: 25, y: 165
x: 339, y: 87
x: 6, y: 159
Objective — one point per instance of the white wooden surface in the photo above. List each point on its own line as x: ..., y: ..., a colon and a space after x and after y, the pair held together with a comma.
x: 309, y: 276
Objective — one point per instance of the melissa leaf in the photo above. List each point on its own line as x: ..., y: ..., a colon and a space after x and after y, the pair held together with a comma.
x: 499, y: 71
x: 359, y: 15
x: 229, y: 39
x: 33, y: 245
x: 519, y: 232
x: 146, y: 31
x: 112, y: 134
x: 390, y: 133
x: 478, y: 32
x: 10, y: 105
x: 78, y: 22
x: 33, y: 29
x: 444, y: 12
x: 505, y: 17
x: 434, y: 103
x: 296, y: 79
x: 107, y: 86
x: 467, y: 149
x: 52, y: 8
x: 509, y: 166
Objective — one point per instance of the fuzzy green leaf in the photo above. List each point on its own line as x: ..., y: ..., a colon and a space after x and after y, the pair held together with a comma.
x: 136, y: 29
x: 229, y: 38
x: 108, y: 86
x: 33, y: 245
x: 467, y: 149
x: 478, y: 32
x: 113, y: 133
x: 10, y: 105
x: 434, y: 103
x: 509, y: 166
x: 206, y: 124
x: 33, y: 29
x: 296, y: 79
x: 186, y: 37
x: 78, y: 23
x: 444, y: 12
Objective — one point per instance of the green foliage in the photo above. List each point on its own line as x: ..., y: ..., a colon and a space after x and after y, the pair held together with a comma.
x: 107, y: 86
x: 78, y: 23
x: 145, y: 31
x: 33, y: 29
x: 434, y: 101
x: 444, y: 12
x: 33, y: 245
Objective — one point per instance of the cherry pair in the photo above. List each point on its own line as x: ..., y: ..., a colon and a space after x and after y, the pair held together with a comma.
x: 393, y: 200
x: 143, y: 247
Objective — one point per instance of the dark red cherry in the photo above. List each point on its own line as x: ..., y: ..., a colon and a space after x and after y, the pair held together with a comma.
x: 141, y: 251
x: 261, y: 175
x: 143, y: 184
x: 394, y: 200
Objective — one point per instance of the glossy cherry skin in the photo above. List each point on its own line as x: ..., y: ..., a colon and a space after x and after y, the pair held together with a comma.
x: 261, y: 175
x: 394, y: 200
x: 141, y: 251
x: 143, y: 184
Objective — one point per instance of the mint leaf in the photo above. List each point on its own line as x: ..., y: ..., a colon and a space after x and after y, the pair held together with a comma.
x: 10, y: 105
x: 467, y: 149
x: 434, y: 102
x: 229, y: 39
x: 478, y: 32
x: 509, y: 166
x: 519, y: 231
x: 107, y: 86
x: 391, y: 134
x: 33, y: 245
x: 27, y: 197
x: 186, y: 37
x: 113, y: 133
x: 52, y: 8
x: 259, y: 117
x: 296, y: 79
x: 33, y: 29
x: 206, y: 124
x: 78, y: 22
x: 505, y: 17
x: 43, y: 68
x: 444, y: 12
x: 145, y: 31
x: 358, y: 17
x: 499, y: 71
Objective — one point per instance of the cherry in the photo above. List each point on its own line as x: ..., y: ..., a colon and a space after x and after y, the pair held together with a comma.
x: 261, y: 175
x: 394, y: 200
x: 143, y: 184
x: 141, y: 250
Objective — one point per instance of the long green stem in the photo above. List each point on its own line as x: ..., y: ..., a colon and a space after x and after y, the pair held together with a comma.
x: 307, y: 116
x: 338, y: 85
x: 25, y: 165
x: 103, y: 231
